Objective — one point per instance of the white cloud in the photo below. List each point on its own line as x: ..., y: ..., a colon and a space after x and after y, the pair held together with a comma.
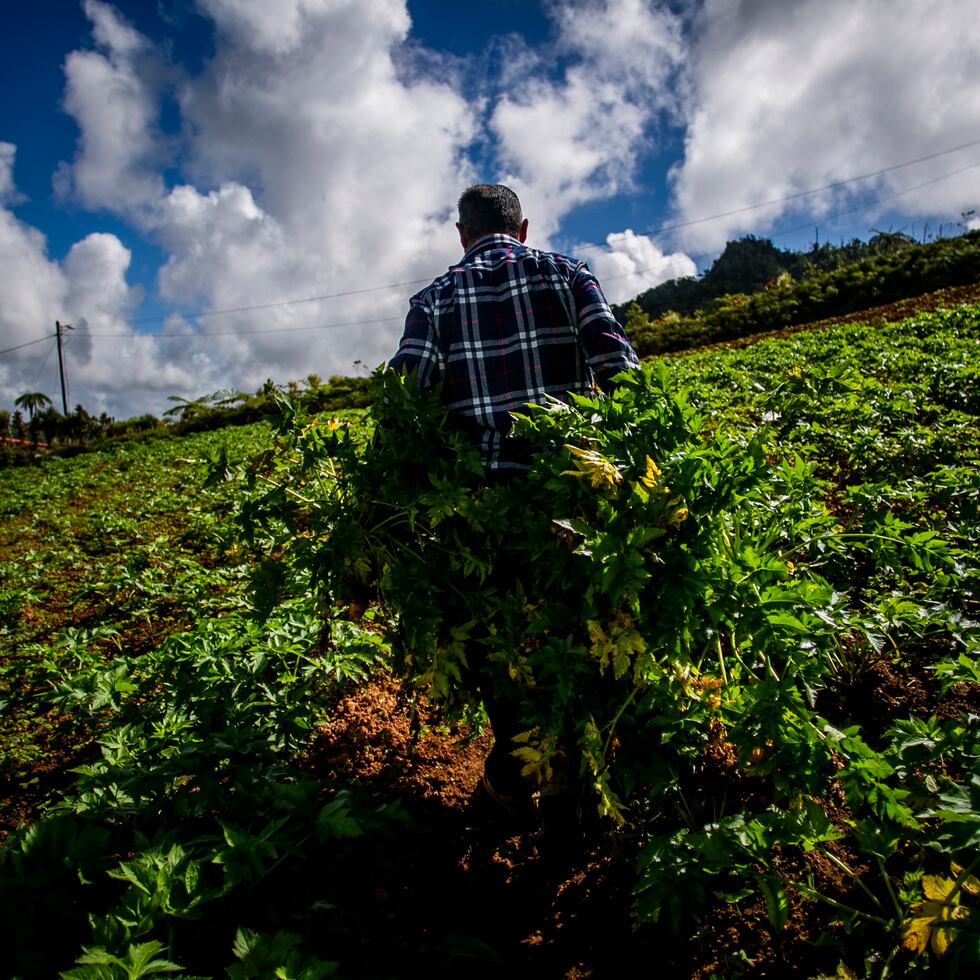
x: 634, y: 42
x: 787, y: 97
x: 634, y: 264
x: 33, y: 293
x: 110, y: 31
x: 353, y: 159
x: 36, y: 292
x: 282, y: 27
x: 8, y: 192
x: 321, y: 154
x: 311, y: 165
x: 89, y: 290
x: 113, y: 94
x: 96, y: 270
x: 219, y: 243
x: 578, y: 139
x: 97, y: 293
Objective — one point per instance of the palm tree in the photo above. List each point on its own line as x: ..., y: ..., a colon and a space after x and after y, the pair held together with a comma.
x: 33, y: 401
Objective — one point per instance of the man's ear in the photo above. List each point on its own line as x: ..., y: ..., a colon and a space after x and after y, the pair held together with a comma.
x: 463, y: 237
x: 522, y: 234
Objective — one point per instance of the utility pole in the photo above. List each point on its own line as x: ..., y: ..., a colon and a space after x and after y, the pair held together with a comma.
x: 61, y: 363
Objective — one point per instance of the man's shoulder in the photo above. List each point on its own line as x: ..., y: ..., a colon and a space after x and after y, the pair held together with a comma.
x: 493, y: 252
x: 565, y: 261
x: 438, y: 285
x: 539, y: 258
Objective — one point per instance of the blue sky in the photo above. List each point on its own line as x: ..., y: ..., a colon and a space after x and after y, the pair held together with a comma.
x: 215, y: 192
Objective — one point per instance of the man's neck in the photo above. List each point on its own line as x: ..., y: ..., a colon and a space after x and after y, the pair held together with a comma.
x: 484, y: 239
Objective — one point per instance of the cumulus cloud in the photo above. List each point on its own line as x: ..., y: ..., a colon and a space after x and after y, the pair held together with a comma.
x: 788, y: 97
x: 354, y: 159
x: 576, y: 139
x: 34, y: 287
x: 89, y: 284
x: 97, y: 291
x: 218, y: 243
x: 113, y: 93
x: 635, y: 263
x: 110, y: 366
x: 319, y: 153
x: 8, y: 192
x: 95, y: 269
x: 312, y: 165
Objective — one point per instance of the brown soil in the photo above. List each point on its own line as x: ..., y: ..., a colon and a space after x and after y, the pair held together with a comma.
x: 469, y: 892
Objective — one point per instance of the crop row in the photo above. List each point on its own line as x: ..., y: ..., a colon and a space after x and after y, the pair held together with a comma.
x: 759, y: 546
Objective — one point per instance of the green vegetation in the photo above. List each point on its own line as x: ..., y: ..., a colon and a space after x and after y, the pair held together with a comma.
x: 755, y: 288
x: 749, y: 264
x: 747, y: 619
x: 47, y: 432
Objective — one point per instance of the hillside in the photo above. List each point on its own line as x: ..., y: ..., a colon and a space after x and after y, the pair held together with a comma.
x: 221, y: 760
x: 748, y: 264
x: 875, y: 316
x: 783, y: 301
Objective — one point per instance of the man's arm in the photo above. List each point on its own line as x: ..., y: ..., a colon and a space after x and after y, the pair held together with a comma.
x: 607, y: 348
x: 418, y: 350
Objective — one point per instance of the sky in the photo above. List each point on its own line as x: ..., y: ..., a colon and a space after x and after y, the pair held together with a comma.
x: 213, y: 193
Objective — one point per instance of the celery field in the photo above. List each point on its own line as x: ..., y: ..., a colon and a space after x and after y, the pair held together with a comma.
x: 750, y: 610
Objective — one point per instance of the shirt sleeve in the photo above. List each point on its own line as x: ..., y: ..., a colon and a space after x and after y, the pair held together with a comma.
x: 607, y: 348
x: 418, y: 349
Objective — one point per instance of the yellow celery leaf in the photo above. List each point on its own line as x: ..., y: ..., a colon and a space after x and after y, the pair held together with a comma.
x: 915, y: 936
x: 652, y: 475
x: 588, y: 463
x: 930, y: 921
x: 971, y: 884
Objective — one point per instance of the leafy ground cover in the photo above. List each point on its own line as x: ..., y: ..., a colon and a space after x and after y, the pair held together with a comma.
x: 768, y: 667
x: 101, y: 558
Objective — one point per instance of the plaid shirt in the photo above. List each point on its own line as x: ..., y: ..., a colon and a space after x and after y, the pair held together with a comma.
x: 505, y: 327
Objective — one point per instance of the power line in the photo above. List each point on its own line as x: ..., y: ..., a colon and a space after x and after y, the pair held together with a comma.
x: 284, y: 302
x: 656, y: 230
x: 665, y: 227
x: 789, y: 231
x: 43, y: 363
x: 29, y: 343
x: 247, y: 333
x: 664, y: 260
x: 809, y: 193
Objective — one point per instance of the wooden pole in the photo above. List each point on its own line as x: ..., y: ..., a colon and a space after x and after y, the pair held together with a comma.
x: 61, y: 364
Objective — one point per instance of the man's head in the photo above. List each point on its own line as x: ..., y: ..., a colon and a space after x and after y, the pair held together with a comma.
x: 490, y: 209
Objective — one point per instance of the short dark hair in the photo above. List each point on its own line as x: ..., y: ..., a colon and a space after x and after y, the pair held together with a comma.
x: 488, y: 209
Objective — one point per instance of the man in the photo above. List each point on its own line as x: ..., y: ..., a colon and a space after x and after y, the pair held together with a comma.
x: 506, y: 326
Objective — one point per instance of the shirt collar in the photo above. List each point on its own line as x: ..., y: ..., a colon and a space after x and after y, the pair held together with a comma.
x: 490, y: 241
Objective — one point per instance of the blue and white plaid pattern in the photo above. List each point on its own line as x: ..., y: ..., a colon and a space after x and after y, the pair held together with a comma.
x: 507, y: 326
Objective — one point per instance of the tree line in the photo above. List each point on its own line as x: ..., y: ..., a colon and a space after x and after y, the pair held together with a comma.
x: 36, y: 428
x: 755, y: 287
